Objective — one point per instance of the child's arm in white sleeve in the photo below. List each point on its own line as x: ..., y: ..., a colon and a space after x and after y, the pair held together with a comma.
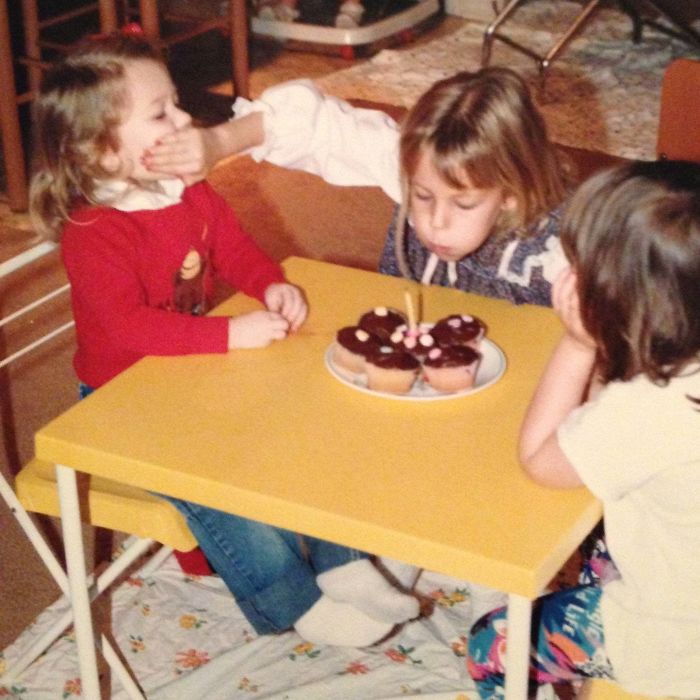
x: 307, y: 130
x: 295, y: 126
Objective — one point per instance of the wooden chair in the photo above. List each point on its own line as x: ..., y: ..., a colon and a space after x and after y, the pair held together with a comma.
x: 33, y: 30
x: 108, y: 14
x: 235, y: 24
x: 679, y: 123
x: 675, y: 25
x: 147, y: 520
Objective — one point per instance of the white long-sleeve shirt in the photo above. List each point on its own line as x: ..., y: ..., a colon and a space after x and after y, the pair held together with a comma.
x: 323, y: 135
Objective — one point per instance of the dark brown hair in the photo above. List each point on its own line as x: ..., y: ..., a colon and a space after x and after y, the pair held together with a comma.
x: 79, y: 106
x: 632, y: 234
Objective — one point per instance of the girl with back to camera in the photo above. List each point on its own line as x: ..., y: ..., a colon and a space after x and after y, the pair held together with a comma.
x: 142, y: 254
x: 618, y: 410
x: 480, y: 184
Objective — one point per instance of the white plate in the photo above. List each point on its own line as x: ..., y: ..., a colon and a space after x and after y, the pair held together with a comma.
x: 491, y: 369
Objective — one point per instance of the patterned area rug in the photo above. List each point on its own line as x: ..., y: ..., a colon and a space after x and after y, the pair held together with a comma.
x: 185, y: 638
x: 601, y: 92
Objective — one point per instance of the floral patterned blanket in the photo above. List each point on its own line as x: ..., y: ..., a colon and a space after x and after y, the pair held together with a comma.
x: 185, y: 638
x: 601, y: 92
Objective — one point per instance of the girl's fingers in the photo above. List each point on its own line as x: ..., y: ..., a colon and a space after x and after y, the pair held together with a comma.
x: 564, y: 293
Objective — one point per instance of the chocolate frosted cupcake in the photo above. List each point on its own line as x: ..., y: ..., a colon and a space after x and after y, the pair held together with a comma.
x: 417, y: 341
x: 352, y: 346
x: 458, y: 329
x: 451, y: 368
x: 391, y: 371
x: 381, y: 321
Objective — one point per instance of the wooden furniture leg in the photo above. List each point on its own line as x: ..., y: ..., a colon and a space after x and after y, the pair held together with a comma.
x: 240, y: 60
x: 108, y: 15
x: 10, y: 131
x: 148, y: 12
x: 237, y: 25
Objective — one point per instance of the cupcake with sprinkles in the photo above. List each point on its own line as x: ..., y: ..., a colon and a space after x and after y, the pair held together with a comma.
x: 418, y: 341
x: 382, y: 321
x: 352, y: 346
x: 459, y: 329
x: 451, y: 368
x: 392, y: 371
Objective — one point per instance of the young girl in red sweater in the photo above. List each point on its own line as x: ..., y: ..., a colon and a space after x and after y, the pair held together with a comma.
x: 142, y: 255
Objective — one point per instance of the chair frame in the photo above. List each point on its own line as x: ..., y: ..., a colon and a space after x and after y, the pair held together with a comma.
x: 235, y: 23
x: 678, y: 28
x: 134, y: 547
x: 31, y: 479
x: 492, y: 32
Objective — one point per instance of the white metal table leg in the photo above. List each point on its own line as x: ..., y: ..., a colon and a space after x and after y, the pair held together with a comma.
x: 77, y: 581
x: 518, y: 647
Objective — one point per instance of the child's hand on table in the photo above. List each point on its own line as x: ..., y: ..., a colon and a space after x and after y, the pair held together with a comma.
x: 288, y: 301
x: 256, y: 329
x: 286, y: 311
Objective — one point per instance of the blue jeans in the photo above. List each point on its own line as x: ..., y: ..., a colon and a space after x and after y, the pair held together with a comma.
x: 271, y: 572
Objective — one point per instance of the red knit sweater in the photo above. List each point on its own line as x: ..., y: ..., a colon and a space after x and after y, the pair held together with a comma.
x: 140, y: 279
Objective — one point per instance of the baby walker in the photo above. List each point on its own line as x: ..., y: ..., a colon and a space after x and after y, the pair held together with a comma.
x: 355, y: 22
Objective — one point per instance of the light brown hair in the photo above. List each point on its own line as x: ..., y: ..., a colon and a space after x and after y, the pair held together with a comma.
x: 79, y: 106
x: 632, y: 234
x: 484, y: 126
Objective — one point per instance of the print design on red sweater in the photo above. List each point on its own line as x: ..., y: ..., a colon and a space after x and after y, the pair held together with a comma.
x: 188, y: 285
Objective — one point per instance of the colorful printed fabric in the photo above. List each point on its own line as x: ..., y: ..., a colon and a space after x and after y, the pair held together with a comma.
x: 568, y: 643
x: 598, y: 567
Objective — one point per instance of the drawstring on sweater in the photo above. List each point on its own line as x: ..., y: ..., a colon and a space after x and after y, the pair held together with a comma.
x: 452, y: 272
x: 431, y: 266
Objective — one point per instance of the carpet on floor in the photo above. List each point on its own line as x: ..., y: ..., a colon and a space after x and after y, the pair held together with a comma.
x: 601, y: 93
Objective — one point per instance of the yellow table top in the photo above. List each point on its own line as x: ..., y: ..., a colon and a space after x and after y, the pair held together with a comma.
x: 272, y: 435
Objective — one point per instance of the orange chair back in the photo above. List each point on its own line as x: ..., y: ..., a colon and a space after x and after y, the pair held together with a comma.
x: 679, y: 119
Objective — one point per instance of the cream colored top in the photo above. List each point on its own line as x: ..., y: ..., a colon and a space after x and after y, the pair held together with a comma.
x: 637, y: 447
